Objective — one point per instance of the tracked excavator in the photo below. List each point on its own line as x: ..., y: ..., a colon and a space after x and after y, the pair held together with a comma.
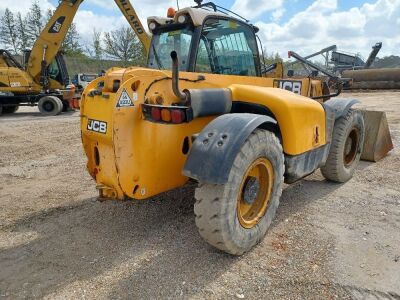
x: 206, y: 110
x: 42, y: 78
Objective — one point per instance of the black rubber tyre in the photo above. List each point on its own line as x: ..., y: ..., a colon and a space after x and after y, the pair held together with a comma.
x: 1, y: 110
x: 10, y: 109
x: 65, y: 107
x: 50, y: 105
x: 217, y: 206
x: 347, y: 145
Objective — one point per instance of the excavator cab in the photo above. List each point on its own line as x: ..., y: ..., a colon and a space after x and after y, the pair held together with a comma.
x: 57, y: 70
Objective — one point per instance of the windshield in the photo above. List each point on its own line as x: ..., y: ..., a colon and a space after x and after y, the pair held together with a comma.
x: 167, y: 40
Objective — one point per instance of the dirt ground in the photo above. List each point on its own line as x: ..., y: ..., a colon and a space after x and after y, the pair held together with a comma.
x: 56, y: 241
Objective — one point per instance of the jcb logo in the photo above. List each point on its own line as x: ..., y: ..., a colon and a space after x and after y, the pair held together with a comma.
x: 97, y: 126
x: 293, y: 86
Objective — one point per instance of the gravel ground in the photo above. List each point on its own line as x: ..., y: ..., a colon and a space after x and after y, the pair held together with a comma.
x: 56, y: 241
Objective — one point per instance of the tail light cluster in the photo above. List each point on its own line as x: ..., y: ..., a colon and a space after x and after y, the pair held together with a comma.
x: 167, y: 114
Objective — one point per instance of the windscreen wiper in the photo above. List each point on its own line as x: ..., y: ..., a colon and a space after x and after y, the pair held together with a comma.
x: 160, y: 66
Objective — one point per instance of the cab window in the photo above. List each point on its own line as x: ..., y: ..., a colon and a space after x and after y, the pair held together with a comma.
x: 54, y: 70
x: 167, y: 40
x: 227, y: 47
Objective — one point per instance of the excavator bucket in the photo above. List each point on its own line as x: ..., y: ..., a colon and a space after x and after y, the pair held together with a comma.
x: 378, y: 141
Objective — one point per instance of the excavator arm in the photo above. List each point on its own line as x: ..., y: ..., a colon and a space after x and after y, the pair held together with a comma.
x: 49, y: 42
x: 130, y: 14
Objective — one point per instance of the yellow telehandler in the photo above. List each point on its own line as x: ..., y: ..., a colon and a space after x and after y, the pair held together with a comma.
x: 206, y: 109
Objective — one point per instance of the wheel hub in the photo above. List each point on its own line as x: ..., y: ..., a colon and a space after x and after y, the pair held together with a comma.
x: 351, y: 147
x: 48, y: 106
x: 252, y: 185
x: 255, y: 192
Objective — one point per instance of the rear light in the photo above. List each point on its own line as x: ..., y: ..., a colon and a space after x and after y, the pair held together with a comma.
x: 177, y: 116
x: 156, y: 113
x: 167, y: 114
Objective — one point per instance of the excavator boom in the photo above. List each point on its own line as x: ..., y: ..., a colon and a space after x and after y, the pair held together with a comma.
x: 130, y: 14
x: 49, y: 42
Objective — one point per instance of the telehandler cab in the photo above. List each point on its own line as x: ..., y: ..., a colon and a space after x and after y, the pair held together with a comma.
x: 204, y: 109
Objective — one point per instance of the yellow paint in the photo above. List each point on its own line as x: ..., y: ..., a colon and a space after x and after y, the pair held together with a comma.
x: 49, y: 42
x: 297, y: 116
x: 140, y: 159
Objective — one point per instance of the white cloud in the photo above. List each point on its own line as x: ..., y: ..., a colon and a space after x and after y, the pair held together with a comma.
x: 251, y: 9
x: 16, y: 6
x: 278, y: 14
x: 323, y: 24
x: 320, y: 25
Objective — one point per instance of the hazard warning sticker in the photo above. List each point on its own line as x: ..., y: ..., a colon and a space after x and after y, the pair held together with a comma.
x: 124, y: 100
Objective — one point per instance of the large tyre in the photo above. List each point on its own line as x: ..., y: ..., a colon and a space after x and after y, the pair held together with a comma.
x: 10, y: 109
x: 235, y: 216
x: 50, y: 105
x: 347, y: 145
x: 65, y: 106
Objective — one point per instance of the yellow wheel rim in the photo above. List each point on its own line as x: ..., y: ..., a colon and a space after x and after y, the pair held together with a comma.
x: 255, y: 192
x: 351, y: 147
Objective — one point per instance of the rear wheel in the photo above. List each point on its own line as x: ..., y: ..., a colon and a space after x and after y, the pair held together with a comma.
x: 10, y: 109
x: 65, y: 106
x: 50, y: 105
x: 347, y: 145
x: 235, y: 216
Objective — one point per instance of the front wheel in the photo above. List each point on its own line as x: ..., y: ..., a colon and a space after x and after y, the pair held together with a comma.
x: 10, y: 109
x: 235, y: 216
x: 50, y: 105
x: 346, y: 147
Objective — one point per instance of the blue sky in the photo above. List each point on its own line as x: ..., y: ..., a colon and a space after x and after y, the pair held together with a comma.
x: 291, y: 7
x: 304, y: 26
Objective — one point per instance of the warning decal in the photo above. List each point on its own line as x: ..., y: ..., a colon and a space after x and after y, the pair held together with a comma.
x: 124, y: 100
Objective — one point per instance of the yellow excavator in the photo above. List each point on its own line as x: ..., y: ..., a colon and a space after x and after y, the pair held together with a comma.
x: 43, y: 77
x: 205, y: 109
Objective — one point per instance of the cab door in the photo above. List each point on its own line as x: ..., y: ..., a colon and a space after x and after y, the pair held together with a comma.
x: 228, y: 47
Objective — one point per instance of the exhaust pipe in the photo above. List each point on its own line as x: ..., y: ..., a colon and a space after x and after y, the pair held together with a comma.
x: 175, y: 78
x: 203, y: 102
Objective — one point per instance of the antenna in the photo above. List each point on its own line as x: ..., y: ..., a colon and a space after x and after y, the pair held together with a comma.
x: 177, y: 4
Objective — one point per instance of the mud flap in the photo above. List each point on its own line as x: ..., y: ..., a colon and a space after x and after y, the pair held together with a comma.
x: 377, y: 142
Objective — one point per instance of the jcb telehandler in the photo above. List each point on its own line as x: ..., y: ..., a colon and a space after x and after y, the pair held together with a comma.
x: 43, y: 78
x: 204, y: 110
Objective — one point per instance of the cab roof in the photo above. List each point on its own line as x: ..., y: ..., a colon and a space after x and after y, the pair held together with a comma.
x: 197, y: 16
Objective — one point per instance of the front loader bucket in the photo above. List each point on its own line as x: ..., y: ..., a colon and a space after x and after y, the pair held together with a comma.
x: 378, y: 141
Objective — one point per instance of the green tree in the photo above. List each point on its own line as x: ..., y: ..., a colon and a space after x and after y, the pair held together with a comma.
x: 49, y: 14
x: 123, y: 44
x: 96, y: 44
x: 25, y: 41
x: 95, y: 50
x: 71, y: 43
x: 34, y: 20
x: 8, y: 31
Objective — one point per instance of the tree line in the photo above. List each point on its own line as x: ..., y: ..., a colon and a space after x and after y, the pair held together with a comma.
x: 19, y: 32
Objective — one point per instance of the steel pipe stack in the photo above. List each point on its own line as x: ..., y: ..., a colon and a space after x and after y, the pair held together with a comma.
x: 387, y: 78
